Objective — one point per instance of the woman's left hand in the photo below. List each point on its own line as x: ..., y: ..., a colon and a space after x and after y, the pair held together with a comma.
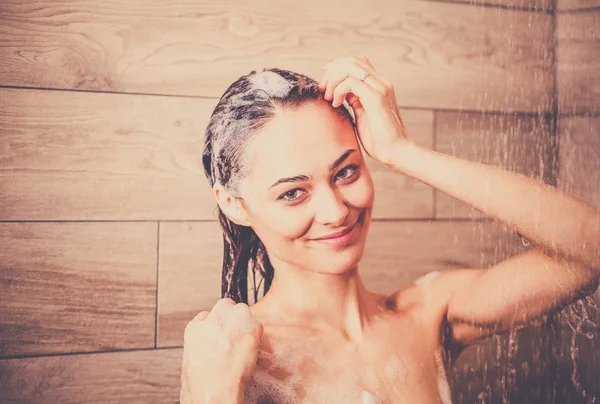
x: 380, y: 128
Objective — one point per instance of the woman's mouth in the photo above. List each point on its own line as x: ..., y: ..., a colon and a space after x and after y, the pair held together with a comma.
x: 345, y: 238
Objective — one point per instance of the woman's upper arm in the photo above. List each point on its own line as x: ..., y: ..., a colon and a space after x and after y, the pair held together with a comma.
x: 512, y: 293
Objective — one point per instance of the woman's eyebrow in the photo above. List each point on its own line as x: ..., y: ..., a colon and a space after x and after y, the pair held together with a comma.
x: 297, y: 178
x: 341, y: 159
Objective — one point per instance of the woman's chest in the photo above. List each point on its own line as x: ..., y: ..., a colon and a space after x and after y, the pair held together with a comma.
x: 391, y: 359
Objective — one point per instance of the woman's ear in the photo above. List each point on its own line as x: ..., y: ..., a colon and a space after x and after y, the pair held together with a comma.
x: 231, y: 206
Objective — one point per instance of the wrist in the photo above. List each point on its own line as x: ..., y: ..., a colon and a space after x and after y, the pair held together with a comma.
x: 404, y: 157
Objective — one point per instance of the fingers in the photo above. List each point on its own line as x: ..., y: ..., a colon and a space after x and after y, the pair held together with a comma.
x: 219, y: 309
x: 238, y: 320
x: 344, y: 69
x: 201, y: 316
x: 226, y: 321
x: 353, y: 85
x: 338, y: 73
x: 234, y: 319
x: 192, y: 328
x: 357, y: 65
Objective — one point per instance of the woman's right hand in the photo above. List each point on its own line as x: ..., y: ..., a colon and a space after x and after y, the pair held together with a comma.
x: 220, y: 350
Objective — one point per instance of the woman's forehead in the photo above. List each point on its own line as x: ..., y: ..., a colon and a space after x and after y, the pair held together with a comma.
x: 307, y: 138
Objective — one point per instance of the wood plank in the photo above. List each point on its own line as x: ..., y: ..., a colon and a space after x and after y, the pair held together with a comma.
x: 578, y: 62
x: 521, y: 144
x: 73, y: 287
x: 144, y: 377
x: 85, y: 156
x: 527, y: 366
x: 439, y: 55
x: 537, y: 5
x: 579, y: 156
x: 92, y: 156
x: 396, y: 254
x: 189, y: 278
x: 579, y: 152
x: 563, y: 5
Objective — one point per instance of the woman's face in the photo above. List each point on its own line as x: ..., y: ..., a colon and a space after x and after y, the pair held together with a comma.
x: 308, y: 180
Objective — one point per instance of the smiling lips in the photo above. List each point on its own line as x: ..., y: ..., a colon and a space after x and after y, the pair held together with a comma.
x: 336, y: 235
x: 340, y: 239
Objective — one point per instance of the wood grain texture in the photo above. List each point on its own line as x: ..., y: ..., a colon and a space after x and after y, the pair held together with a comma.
x: 537, y: 5
x: 396, y: 254
x: 142, y: 377
x: 85, y: 156
x: 439, y: 55
x: 91, y: 156
x: 517, y: 143
x: 578, y: 62
x: 579, y: 172
x: 579, y: 157
x: 399, y: 252
x: 74, y: 287
x: 190, y: 262
x: 563, y: 5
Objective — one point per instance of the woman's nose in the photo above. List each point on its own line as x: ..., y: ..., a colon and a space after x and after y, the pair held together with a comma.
x: 331, y: 208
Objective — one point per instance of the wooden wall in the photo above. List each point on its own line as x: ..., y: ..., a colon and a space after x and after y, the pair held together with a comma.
x: 109, y: 242
x: 578, y: 96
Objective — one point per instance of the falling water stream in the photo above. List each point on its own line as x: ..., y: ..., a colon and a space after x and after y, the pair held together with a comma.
x: 555, y: 360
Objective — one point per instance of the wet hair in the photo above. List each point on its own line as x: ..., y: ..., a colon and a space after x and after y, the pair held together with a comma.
x: 243, y: 110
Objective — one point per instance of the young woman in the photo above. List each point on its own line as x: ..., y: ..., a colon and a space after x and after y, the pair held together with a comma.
x: 283, y: 156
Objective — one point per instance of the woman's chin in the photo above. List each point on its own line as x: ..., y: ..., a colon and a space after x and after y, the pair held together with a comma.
x: 342, y: 262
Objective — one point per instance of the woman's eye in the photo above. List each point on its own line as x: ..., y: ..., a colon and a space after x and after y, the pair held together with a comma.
x: 351, y: 169
x: 290, y: 195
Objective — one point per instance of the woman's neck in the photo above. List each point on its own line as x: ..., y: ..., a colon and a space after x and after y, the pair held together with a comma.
x: 322, y: 301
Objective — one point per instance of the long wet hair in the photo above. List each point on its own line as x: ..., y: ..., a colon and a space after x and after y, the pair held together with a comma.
x: 245, y: 108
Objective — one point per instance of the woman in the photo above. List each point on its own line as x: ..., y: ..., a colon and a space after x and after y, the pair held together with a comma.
x: 295, y: 199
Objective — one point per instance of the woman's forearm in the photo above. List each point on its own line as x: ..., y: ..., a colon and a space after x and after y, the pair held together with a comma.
x: 540, y: 212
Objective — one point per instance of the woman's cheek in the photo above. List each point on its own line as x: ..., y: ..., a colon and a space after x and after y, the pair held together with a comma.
x: 362, y: 194
x: 291, y: 222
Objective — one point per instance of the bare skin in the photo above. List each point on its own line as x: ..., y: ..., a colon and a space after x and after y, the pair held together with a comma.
x: 394, y: 359
x: 325, y: 337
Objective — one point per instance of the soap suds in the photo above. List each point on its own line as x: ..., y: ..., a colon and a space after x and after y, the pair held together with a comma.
x: 272, y: 83
x: 395, y: 370
x: 368, y: 398
x: 292, y: 373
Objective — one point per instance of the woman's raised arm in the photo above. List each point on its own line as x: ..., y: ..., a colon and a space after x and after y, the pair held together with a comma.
x: 565, y: 262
